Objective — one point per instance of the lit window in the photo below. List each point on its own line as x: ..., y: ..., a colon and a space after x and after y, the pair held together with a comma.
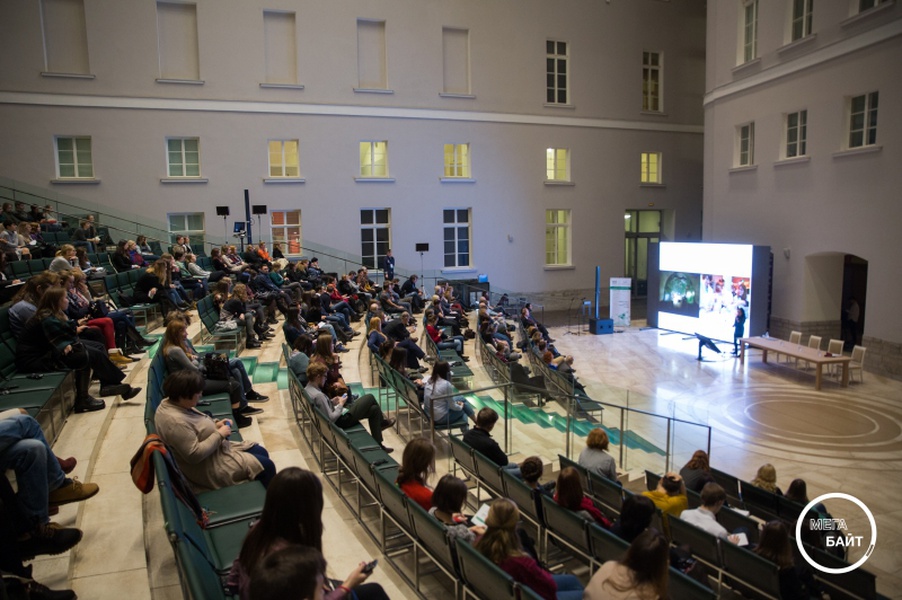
x: 74, y: 160
x: 863, y: 120
x: 749, y: 30
x: 557, y: 237
x: 556, y: 72
x: 651, y: 81
x: 801, y: 18
x: 183, y: 156
x: 375, y: 235
x: 651, y: 167
x: 745, y: 145
x: 557, y: 164
x: 457, y: 160
x: 283, y: 158
x: 374, y: 159
x: 456, y: 222
x: 797, y: 134
x: 286, y: 230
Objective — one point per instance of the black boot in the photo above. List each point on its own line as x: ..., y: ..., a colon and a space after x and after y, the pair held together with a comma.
x: 135, y: 336
x: 83, y: 400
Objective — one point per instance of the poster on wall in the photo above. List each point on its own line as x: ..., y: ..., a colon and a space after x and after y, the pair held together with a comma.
x: 621, y: 289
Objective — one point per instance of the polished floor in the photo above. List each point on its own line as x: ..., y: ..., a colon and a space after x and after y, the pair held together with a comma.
x: 837, y: 439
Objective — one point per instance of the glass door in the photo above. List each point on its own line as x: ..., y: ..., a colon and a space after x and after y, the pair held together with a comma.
x: 641, y: 227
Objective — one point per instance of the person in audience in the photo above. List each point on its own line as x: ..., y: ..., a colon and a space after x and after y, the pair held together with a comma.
x: 120, y: 258
x: 196, y: 285
x: 299, y: 359
x: 145, y: 249
x: 443, y: 341
x: 181, y: 356
x: 635, y: 517
x: 447, y: 505
x: 135, y: 256
x: 527, y: 320
x: 412, y: 294
x: 376, y: 336
x: 480, y: 438
x: 669, y: 496
x: 293, y: 515
x: 595, y: 457
x: 201, y: 445
x: 41, y: 481
x: 531, y: 469
x: 798, y: 493
x: 417, y: 463
x: 85, y: 236
x: 52, y: 342
x: 570, y: 495
x: 235, y: 309
x: 154, y: 287
x: 705, y: 516
x: 322, y: 353
x: 340, y: 412
x: 501, y: 545
x: 25, y: 303
x: 291, y: 573
x: 400, y: 330
x: 774, y: 545
x: 642, y: 573
x: 82, y: 310
x: 397, y: 360
x: 446, y: 410
x: 697, y: 472
x: 766, y: 479
x: 65, y: 259
x: 293, y: 288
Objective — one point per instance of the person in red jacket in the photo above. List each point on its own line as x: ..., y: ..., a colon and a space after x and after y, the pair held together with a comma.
x: 417, y: 463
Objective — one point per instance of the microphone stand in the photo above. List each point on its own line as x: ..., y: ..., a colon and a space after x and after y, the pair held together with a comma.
x: 570, y: 318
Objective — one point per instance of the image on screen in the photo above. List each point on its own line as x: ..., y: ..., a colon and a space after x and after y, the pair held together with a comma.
x: 679, y: 293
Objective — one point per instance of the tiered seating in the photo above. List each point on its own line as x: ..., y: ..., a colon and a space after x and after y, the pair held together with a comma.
x: 120, y: 284
x: 209, y: 316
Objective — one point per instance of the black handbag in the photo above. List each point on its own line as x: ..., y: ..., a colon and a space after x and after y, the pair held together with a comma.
x: 100, y: 309
x: 216, y: 366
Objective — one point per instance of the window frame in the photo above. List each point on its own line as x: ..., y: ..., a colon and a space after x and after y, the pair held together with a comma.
x: 803, y: 17
x: 798, y: 147
x: 76, y: 164
x: 869, y: 114
x: 866, y: 5
x: 748, y: 27
x: 556, y: 226
x: 552, y: 165
x: 648, y: 69
x: 372, y: 160
x: 374, y: 260
x: 284, y: 165
x: 198, y: 236
x: 645, y: 171
x: 182, y: 152
x: 285, y: 240
x: 557, y: 59
x: 745, y: 131
x: 460, y: 161
x: 455, y: 226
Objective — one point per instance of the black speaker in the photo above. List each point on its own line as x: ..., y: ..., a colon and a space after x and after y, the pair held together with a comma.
x: 258, y: 209
x: 222, y: 211
x: 422, y: 247
x: 601, y: 326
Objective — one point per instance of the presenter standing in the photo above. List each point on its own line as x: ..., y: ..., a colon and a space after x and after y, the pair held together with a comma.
x: 738, y: 329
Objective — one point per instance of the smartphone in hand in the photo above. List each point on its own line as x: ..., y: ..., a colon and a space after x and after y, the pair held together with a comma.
x: 368, y: 568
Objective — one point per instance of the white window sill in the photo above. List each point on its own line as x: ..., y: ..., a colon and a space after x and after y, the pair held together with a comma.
x: 744, y: 169
x: 452, y: 95
x: 75, y: 181
x: 866, y: 15
x: 459, y: 270
x: 68, y: 75
x: 374, y: 179
x: 652, y: 185
x: 457, y: 180
x: 284, y: 180
x: 554, y: 182
x: 184, y: 180
x: 796, y: 44
x: 856, y: 151
x: 181, y: 81
x: 653, y: 113
x: 559, y: 267
x: 282, y: 86
x: 746, y: 66
x: 373, y: 91
x: 557, y: 105
x: 795, y: 160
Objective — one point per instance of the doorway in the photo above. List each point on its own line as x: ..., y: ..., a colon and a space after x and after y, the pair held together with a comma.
x: 641, y: 227
x: 854, y: 299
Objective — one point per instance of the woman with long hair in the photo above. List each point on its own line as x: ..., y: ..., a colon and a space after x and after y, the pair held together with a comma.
x: 641, y: 574
x: 635, y: 517
x: 448, y: 499
x: 798, y: 493
x: 25, y: 302
x: 79, y: 310
x: 774, y: 545
x: 441, y: 405
x: 65, y: 259
x: 293, y: 514
x: 154, y: 287
x: 375, y: 338
x: 122, y: 262
x: 322, y: 353
x: 569, y: 494
x: 697, y: 472
x: 766, y: 479
x: 51, y: 342
x: 417, y: 463
x: 235, y: 309
x: 443, y: 341
x: 501, y: 545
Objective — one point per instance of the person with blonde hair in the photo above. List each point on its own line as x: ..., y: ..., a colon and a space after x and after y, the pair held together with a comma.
x: 766, y: 479
x: 501, y: 545
x: 595, y: 457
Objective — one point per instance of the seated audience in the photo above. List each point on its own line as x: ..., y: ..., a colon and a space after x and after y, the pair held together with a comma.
x: 417, y: 463
x: 595, y: 457
x: 291, y: 573
x: 446, y: 410
x: 299, y: 359
x: 635, y: 517
x: 697, y: 472
x: 766, y: 479
x: 447, y: 503
x: 796, y: 581
x: 642, y: 573
x: 798, y: 493
x: 570, y: 495
x: 705, y: 516
x: 669, y: 496
x: 480, y: 439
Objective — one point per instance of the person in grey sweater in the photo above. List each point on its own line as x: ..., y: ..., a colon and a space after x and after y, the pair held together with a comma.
x: 595, y: 458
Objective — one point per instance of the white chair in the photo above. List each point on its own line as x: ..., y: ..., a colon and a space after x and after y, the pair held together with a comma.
x: 813, y: 342
x: 795, y: 337
x: 834, y: 347
x: 857, y: 363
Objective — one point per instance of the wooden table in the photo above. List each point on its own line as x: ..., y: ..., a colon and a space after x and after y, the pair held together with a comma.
x: 812, y: 355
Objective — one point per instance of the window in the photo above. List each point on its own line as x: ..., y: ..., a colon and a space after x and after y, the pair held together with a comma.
x: 863, y: 120
x: 745, y: 145
x: 65, y: 36
x: 455, y: 61
x: 651, y: 167
x: 801, y: 18
x: 375, y: 235
x: 457, y: 237
x: 557, y: 237
x: 183, y: 156
x: 74, y: 159
x: 457, y: 160
x: 651, y: 81
x: 557, y: 164
x: 283, y: 158
x: 190, y: 224
x: 556, y: 73
x: 177, y: 41
x: 371, y: 67
x: 286, y: 230
x: 864, y: 5
x: 280, y: 49
x: 373, y: 159
x: 749, y: 30
x: 797, y: 134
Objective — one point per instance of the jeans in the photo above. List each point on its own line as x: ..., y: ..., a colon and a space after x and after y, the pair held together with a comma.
x: 269, y: 467
x: 24, y: 449
x: 568, y: 587
x: 513, y: 469
x: 456, y: 417
x: 455, y: 343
